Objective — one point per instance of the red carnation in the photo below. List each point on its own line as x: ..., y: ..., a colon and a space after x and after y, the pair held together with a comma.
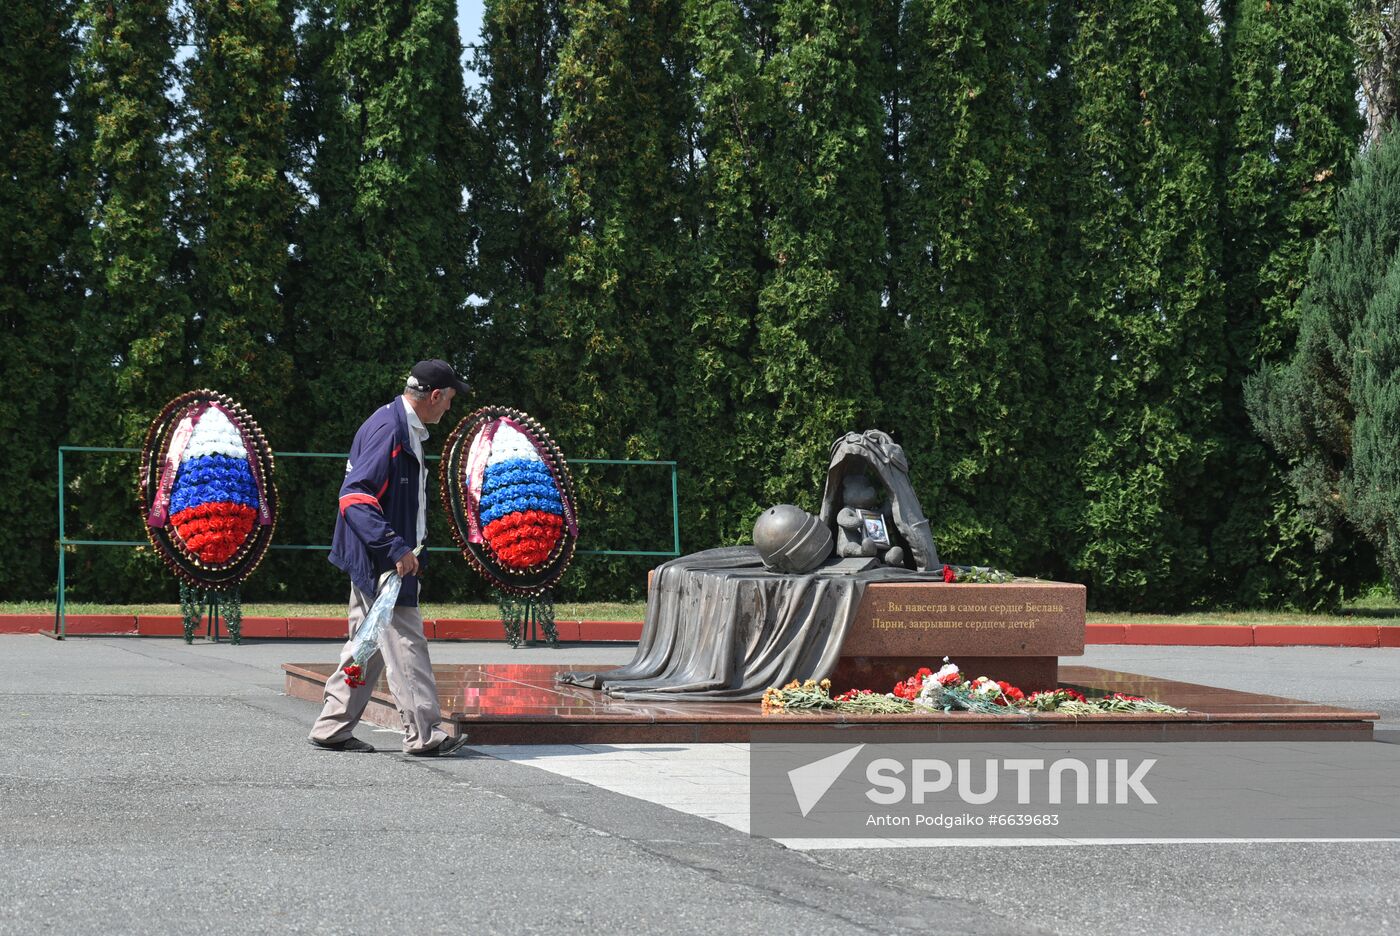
x: 1011, y: 692
x: 949, y: 574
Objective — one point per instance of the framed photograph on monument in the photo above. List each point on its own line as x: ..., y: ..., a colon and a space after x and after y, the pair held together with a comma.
x: 874, y: 525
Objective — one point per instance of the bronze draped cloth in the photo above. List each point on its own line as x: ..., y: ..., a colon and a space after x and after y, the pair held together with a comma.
x: 720, y: 626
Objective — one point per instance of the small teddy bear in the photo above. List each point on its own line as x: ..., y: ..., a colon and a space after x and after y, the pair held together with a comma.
x: 857, y: 536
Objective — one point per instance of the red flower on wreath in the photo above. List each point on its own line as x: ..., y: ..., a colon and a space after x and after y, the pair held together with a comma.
x: 214, y: 531
x: 524, y: 539
x: 949, y: 574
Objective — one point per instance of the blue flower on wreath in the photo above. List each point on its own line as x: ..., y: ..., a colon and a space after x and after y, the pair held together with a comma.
x: 213, y: 479
x: 517, y: 485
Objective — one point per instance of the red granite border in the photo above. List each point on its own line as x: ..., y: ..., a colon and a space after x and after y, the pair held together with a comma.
x: 333, y: 628
x: 1191, y: 635
x: 96, y: 624
x: 25, y: 623
x: 1290, y: 635
x: 1105, y: 633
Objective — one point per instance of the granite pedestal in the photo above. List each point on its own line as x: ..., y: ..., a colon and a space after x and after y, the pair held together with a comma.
x: 1015, y: 631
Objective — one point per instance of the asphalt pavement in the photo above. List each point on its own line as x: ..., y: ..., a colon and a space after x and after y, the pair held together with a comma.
x: 147, y: 786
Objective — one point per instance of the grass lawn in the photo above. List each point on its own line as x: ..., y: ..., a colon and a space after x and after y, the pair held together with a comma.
x: 1372, y: 610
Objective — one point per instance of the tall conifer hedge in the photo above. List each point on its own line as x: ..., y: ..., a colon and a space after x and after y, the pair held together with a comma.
x: 40, y: 212
x: 1043, y: 243
x: 966, y: 381
x: 239, y: 199
x: 1291, y: 131
x: 134, y: 334
x: 1332, y: 408
x: 623, y: 189
x: 1141, y: 379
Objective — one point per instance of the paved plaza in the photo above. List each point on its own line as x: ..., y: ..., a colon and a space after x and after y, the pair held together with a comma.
x: 147, y: 786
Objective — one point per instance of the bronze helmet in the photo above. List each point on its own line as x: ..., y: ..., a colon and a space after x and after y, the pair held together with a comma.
x: 789, y: 539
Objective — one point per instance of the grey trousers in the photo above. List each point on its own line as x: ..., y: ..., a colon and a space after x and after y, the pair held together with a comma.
x: 404, y: 655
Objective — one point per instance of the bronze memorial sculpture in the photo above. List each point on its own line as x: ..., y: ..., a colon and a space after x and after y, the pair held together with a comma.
x: 728, y: 623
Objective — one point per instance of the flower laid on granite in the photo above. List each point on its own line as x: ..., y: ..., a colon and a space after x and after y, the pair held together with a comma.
x: 909, y: 688
x: 799, y: 695
x: 947, y: 690
x: 991, y: 696
x: 1047, y: 700
x: 948, y: 674
x: 868, y: 702
x: 976, y: 575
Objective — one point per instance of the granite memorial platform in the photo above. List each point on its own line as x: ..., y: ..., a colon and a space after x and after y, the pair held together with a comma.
x: 522, y: 704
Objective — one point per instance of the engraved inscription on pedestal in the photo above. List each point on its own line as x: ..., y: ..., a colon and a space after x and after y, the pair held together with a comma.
x: 936, y: 620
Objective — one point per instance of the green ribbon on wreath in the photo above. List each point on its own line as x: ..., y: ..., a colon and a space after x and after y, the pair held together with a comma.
x: 207, y: 604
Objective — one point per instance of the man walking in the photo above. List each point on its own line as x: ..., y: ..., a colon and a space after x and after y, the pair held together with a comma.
x: 383, y: 519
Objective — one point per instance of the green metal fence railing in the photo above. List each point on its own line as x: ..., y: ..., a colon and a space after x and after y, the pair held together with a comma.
x: 60, y: 612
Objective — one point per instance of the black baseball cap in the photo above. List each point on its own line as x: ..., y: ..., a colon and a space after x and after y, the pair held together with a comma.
x: 436, y: 375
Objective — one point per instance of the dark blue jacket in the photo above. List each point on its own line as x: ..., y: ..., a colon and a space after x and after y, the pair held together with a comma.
x: 378, y: 518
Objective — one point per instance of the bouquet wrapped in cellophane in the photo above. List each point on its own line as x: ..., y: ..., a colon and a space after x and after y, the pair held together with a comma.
x: 371, y: 629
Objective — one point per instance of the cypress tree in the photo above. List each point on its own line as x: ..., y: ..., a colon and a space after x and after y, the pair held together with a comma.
x: 1140, y: 341
x: 240, y: 200
x: 972, y: 277
x: 1059, y: 426
x: 1372, y: 492
x: 326, y: 267
x: 623, y: 109
x: 378, y: 124
x: 1326, y: 410
x: 320, y: 282
x: 818, y: 304
x: 133, y: 331
x: 382, y: 246
x: 1376, y: 33
x: 1291, y: 125
x: 514, y: 180
x: 784, y: 315
x: 39, y: 216
x: 723, y: 436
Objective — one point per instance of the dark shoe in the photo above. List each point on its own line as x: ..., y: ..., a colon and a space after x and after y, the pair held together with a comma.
x: 352, y: 744
x: 446, y: 748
